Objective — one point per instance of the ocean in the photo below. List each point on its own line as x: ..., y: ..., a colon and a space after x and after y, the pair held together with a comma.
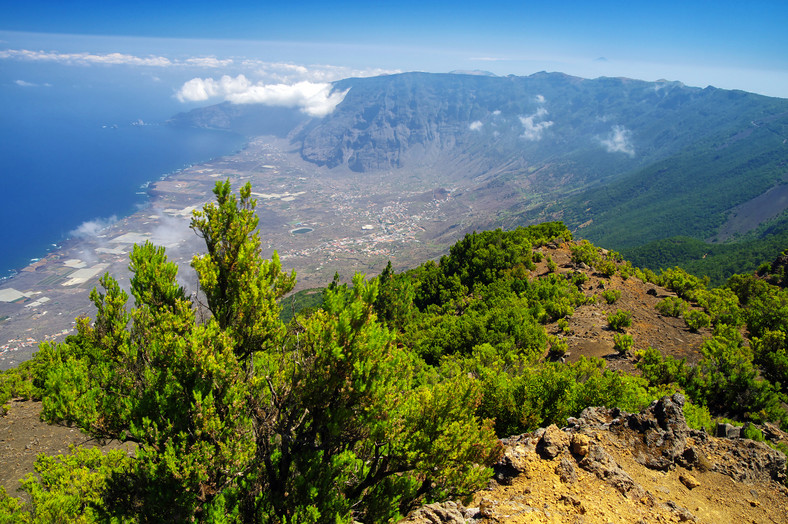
x: 83, y: 150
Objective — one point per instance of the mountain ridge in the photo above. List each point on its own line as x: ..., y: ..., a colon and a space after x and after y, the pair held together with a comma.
x: 623, y: 162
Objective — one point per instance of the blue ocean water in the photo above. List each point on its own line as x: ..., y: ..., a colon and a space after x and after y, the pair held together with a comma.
x: 69, y: 153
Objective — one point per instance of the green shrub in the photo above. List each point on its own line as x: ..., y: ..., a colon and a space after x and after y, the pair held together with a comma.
x: 671, y: 307
x: 579, y: 278
x: 646, y: 275
x: 682, y: 283
x: 698, y: 417
x: 622, y: 342
x: 585, y: 253
x: 722, y: 305
x: 751, y: 432
x: 563, y: 325
x: 696, y: 320
x: 606, y: 267
x: 619, y: 320
x: 552, y: 267
x: 611, y: 295
x: 661, y: 370
x: 626, y: 270
x: 558, y: 346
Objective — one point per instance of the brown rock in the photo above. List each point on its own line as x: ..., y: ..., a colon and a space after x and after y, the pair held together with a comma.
x: 566, y: 471
x: 487, y: 508
x: 553, y: 442
x: 443, y: 513
x: 580, y: 444
x: 689, y: 481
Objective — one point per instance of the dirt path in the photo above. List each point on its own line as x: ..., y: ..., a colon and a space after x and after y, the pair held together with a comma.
x: 23, y: 436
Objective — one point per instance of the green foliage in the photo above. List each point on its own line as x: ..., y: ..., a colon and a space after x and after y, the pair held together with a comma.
x: 619, y: 320
x: 237, y: 418
x: 69, y: 488
x: 606, y: 267
x: 389, y: 394
x: 17, y: 383
x: 722, y: 306
x: 671, y: 306
x: 558, y: 346
x: 585, y: 253
x: 698, y: 417
x: 507, y: 324
x: 13, y: 510
x: 552, y: 267
x: 548, y: 393
x: 659, y: 370
x: 751, y: 432
x: 622, y: 342
x: 394, y: 303
x: 552, y: 297
x: 578, y: 278
x: 682, y: 283
x: 626, y: 270
x: 611, y: 295
x: 696, y: 320
x: 772, y: 355
x: 646, y: 275
x: 726, y: 380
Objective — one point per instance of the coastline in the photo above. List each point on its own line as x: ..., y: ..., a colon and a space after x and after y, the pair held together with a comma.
x: 40, y: 301
x: 320, y: 222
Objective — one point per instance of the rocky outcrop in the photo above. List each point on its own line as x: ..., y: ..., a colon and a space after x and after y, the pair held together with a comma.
x: 619, y: 449
x: 444, y: 513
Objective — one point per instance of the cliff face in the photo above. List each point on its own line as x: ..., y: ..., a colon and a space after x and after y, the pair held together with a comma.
x: 612, y: 466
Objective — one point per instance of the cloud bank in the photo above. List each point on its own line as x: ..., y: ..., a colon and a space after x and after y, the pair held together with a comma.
x: 619, y: 141
x: 272, y: 72
x: 314, y: 99
x: 85, y: 58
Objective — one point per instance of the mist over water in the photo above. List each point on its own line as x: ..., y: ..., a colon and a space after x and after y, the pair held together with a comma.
x: 70, y: 154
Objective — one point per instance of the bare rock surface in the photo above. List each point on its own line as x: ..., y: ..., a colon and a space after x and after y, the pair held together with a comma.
x: 611, y: 466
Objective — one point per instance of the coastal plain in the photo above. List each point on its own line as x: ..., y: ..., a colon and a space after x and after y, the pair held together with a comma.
x: 320, y: 222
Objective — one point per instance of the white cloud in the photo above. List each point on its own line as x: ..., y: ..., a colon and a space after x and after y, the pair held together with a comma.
x: 22, y: 83
x: 111, y: 59
x: 201, y: 89
x: 476, y: 126
x: 289, y: 73
x: 170, y: 231
x: 533, y: 130
x: 92, y: 228
x: 314, y: 99
x: 539, y: 99
x: 497, y: 112
x: 209, y: 61
x: 619, y: 141
x: 266, y: 72
x: 85, y: 58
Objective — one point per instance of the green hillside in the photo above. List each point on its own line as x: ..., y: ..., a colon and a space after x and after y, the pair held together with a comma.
x: 391, y: 393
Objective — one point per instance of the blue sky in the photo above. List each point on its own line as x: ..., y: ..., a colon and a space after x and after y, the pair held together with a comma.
x: 735, y: 45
